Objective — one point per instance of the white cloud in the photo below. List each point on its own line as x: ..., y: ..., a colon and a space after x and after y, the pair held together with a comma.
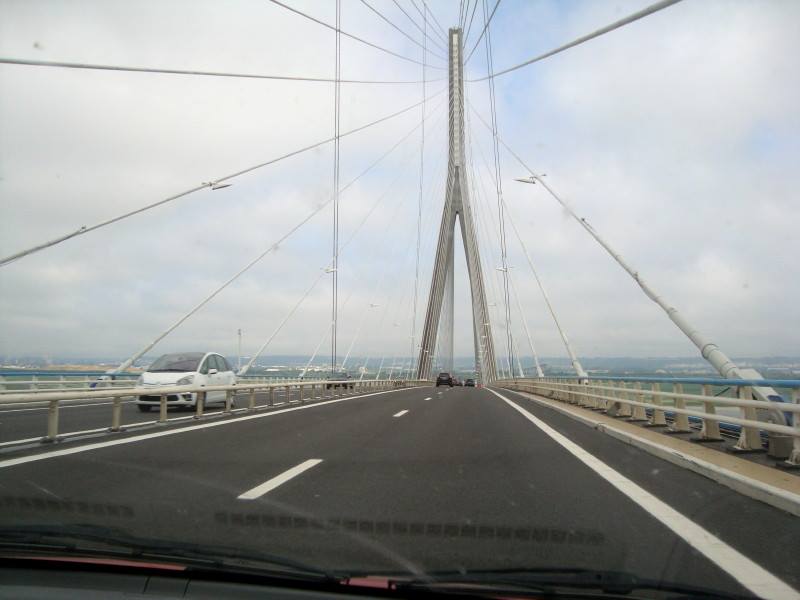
x: 675, y: 136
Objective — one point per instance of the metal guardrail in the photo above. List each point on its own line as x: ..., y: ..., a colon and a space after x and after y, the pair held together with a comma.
x: 44, y: 381
x: 54, y: 399
x: 644, y: 401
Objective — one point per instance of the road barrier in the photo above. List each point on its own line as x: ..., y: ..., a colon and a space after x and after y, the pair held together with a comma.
x: 643, y: 400
x: 334, y: 389
x: 11, y: 383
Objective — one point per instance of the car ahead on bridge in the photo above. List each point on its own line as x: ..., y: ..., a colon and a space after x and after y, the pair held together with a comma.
x: 444, y: 378
x: 469, y: 383
x: 185, y: 368
x: 340, y: 379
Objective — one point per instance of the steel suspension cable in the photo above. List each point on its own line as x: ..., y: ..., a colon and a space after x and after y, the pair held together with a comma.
x: 319, y: 278
x: 209, y: 185
x: 536, y: 362
x: 335, y: 261
x: 99, y: 67
x: 498, y: 183
x: 483, y: 227
x: 441, y: 33
x: 127, y: 363
x: 419, y: 200
x: 349, y: 35
x: 483, y: 31
x: 390, y: 222
x: 429, y: 242
x: 608, y: 28
x: 347, y: 300
x: 482, y: 230
x: 424, y: 33
x: 576, y: 364
x: 471, y: 18
x: 403, y: 32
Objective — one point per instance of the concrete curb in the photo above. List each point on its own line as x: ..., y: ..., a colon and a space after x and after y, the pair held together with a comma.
x: 753, y: 488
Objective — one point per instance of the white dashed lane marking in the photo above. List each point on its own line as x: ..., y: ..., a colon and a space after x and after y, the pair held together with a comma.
x: 270, y: 485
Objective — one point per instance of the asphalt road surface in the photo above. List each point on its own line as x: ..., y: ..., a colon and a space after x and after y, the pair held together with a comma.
x: 418, y: 480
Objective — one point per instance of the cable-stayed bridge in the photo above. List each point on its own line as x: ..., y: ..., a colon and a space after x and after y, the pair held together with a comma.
x: 686, y: 479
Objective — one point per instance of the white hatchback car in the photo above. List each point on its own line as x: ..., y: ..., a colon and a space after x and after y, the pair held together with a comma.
x: 186, y: 368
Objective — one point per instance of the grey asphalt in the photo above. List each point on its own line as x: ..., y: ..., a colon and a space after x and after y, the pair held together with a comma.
x: 461, y: 481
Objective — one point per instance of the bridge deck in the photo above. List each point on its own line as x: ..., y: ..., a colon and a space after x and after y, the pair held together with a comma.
x: 461, y: 478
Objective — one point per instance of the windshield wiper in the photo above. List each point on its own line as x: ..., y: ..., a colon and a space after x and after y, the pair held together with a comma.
x: 98, y: 541
x: 552, y: 581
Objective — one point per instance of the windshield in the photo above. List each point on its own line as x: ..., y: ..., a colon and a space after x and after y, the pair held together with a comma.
x: 176, y: 362
x: 500, y: 295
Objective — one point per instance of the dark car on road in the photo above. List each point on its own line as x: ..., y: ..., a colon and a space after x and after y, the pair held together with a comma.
x: 444, y: 379
x: 469, y: 383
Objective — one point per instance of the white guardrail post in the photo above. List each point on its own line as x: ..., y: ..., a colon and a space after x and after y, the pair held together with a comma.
x: 680, y: 421
x: 709, y: 432
x: 793, y: 462
x: 52, y: 422
x: 162, y: 409
x: 638, y: 413
x: 116, y: 415
x: 622, y: 394
x: 635, y: 399
x: 198, y: 404
x: 658, y: 418
x: 749, y: 437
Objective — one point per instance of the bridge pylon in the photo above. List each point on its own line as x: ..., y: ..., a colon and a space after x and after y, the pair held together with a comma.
x: 456, y: 206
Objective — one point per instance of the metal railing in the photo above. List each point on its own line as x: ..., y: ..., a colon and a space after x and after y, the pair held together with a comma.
x: 43, y: 381
x: 644, y: 400
x: 243, y: 389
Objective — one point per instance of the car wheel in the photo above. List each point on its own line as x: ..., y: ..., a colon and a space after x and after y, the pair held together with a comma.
x: 143, y: 408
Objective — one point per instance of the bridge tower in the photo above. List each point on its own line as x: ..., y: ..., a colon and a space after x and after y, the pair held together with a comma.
x: 456, y: 205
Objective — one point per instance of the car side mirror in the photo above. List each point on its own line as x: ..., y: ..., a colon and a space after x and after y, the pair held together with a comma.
x: 212, y: 371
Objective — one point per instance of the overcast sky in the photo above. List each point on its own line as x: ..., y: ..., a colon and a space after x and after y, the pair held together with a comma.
x: 677, y: 137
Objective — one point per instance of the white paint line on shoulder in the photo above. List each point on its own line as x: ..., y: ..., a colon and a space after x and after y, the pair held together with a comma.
x: 270, y: 485
x: 752, y: 576
x: 400, y: 414
x: 754, y: 488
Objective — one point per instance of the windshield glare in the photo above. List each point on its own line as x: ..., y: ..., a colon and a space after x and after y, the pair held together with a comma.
x: 177, y: 362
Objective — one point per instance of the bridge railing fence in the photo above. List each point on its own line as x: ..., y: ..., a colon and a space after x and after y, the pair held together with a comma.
x: 720, y: 407
x: 296, y: 392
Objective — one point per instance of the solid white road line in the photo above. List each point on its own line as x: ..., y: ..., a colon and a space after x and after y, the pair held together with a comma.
x: 11, y: 462
x: 270, y: 485
x: 400, y: 414
x: 755, y: 578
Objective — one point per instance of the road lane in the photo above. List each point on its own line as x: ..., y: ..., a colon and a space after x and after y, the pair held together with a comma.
x: 460, y: 480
